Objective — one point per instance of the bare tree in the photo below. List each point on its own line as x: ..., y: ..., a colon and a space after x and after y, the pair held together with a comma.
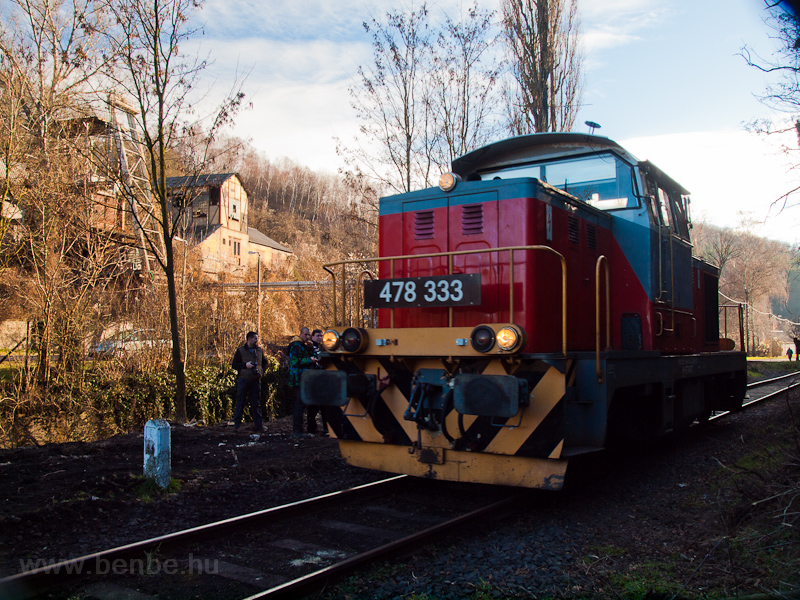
x: 784, y: 94
x: 390, y: 99
x: 544, y: 45
x: 756, y: 273
x: 429, y: 95
x: 153, y: 71
x: 717, y: 246
x: 51, y: 50
x: 463, y: 85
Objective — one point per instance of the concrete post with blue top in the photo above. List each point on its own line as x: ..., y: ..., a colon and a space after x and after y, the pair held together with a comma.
x: 157, y: 452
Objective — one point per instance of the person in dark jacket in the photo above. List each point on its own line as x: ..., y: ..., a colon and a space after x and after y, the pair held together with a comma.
x: 312, y: 410
x: 250, y: 363
x: 301, y: 357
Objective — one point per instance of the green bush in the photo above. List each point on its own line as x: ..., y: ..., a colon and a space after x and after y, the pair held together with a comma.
x: 210, y: 393
x: 109, y: 400
x: 276, y: 396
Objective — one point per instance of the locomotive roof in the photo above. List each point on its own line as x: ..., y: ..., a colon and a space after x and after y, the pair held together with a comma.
x: 527, y: 148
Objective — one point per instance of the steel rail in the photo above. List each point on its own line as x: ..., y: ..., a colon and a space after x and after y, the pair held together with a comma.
x: 312, y: 581
x: 791, y: 386
x: 756, y: 384
x: 32, y: 584
x: 773, y: 380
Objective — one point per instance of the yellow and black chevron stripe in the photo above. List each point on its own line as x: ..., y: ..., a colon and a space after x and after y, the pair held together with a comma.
x: 522, y: 450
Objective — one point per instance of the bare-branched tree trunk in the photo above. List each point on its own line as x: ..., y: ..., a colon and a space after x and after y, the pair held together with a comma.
x: 148, y: 37
x: 51, y: 51
x: 543, y: 40
x: 429, y: 95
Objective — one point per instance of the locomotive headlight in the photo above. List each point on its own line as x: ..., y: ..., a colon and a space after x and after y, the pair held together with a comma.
x: 354, y: 339
x: 330, y: 340
x: 448, y: 181
x: 508, y: 338
x: 482, y: 338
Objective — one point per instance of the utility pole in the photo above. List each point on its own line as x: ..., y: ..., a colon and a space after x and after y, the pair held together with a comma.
x: 259, y: 290
x: 747, y: 318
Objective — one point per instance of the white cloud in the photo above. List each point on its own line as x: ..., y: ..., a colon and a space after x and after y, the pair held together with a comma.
x: 284, y: 62
x: 314, y: 19
x: 298, y: 93
x: 602, y: 39
x: 730, y: 173
x: 610, y: 24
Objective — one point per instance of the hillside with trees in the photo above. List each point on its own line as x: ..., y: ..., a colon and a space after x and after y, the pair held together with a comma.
x: 756, y: 273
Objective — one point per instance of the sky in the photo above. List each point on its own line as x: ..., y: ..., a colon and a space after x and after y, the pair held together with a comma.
x: 663, y: 78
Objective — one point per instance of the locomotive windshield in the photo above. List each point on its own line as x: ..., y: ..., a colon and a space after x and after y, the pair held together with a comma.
x: 601, y: 180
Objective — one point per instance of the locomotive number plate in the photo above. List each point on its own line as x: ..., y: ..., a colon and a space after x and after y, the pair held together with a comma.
x: 447, y: 290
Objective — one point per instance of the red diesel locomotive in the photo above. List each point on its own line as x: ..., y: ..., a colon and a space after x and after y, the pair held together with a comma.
x: 540, y: 302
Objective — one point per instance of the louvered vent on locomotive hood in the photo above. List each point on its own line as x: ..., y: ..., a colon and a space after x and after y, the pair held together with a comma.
x: 423, y: 225
x: 472, y: 219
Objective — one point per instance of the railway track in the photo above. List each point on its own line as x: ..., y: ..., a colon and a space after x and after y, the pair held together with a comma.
x: 765, y: 389
x: 768, y: 388
x: 281, y: 552
x: 290, y: 550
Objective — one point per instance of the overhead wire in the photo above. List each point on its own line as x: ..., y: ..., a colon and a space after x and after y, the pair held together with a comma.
x: 754, y: 309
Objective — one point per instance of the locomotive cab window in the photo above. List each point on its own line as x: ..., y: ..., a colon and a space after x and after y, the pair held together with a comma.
x: 602, y: 180
x: 681, y: 204
x: 664, y: 207
x: 670, y: 208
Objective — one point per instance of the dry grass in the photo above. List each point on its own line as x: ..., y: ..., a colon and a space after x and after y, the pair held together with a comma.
x: 760, y: 504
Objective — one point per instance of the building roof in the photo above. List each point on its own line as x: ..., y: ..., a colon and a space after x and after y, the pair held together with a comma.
x: 256, y: 237
x: 209, y: 179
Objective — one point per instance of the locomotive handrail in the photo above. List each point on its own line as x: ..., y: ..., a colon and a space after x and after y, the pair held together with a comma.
x: 740, y: 308
x: 510, y: 249
x: 673, y: 311
x: 361, y: 277
x: 604, y: 261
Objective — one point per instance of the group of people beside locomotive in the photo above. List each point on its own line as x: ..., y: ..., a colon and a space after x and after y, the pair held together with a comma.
x: 249, y: 362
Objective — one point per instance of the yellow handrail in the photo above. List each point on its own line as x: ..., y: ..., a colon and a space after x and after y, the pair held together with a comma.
x: 510, y: 249
x: 361, y: 277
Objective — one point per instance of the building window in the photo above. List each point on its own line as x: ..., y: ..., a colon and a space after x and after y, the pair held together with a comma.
x: 178, y: 199
x: 233, y: 213
x: 200, y: 206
